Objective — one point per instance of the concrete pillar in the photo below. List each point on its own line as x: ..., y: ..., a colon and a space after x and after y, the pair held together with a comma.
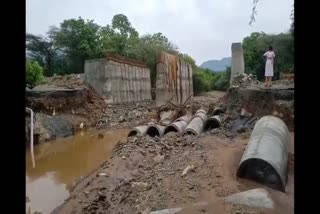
x: 237, y: 62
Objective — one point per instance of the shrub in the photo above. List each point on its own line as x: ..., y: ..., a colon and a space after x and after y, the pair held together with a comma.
x: 34, y: 73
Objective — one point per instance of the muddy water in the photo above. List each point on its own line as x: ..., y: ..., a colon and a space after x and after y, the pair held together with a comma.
x: 60, y: 164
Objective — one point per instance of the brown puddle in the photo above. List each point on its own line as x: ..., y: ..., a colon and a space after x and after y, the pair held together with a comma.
x: 60, y: 164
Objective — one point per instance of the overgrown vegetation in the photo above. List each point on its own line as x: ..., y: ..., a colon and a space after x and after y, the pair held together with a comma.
x: 64, y: 49
x: 34, y: 73
x: 206, y: 80
x: 255, y: 45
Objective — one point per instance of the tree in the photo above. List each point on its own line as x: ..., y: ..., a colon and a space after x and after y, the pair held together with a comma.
x: 120, y: 38
x: 147, y: 50
x: 43, y: 50
x: 34, y: 73
x: 255, y: 45
x: 189, y: 60
x: 222, y: 83
x: 79, y: 40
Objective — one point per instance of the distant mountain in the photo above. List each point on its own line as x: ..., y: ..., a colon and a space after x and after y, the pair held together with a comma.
x: 217, y: 65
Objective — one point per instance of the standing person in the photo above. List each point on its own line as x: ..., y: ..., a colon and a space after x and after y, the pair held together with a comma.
x: 269, y: 66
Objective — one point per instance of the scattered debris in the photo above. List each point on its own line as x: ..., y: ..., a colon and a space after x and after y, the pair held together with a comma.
x: 102, y: 174
x: 187, y: 169
x: 158, y: 159
x: 252, y: 198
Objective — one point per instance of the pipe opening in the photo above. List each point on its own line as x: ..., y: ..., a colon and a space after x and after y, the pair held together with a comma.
x: 211, y: 124
x: 132, y: 133
x: 153, y: 131
x: 261, y: 172
x: 170, y: 129
x: 190, y: 132
x: 218, y: 111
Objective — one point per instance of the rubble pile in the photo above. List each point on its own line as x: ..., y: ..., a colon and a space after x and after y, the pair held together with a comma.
x: 71, y: 81
x: 130, y: 113
x: 154, y: 145
x: 243, y: 79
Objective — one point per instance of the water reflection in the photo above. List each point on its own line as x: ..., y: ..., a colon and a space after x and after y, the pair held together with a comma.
x: 61, y: 163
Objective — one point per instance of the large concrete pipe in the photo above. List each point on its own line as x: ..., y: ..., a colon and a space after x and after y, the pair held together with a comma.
x: 139, y: 129
x: 266, y: 156
x: 200, y: 113
x: 185, y: 118
x: 155, y: 130
x: 196, y: 124
x: 218, y: 111
x: 212, y: 123
x: 179, y: 125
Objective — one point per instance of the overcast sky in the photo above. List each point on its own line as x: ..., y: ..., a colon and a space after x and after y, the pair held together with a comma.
x: 204, y: 29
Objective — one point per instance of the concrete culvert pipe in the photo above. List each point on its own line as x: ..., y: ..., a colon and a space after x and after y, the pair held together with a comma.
x: 155, y: 130
x: 201, y: 110
x: 212, y: 123
x: 200, y: 113
x: 217, y: 111
x: 265, y: 158
x: 195, y: 127
x: 178, y: 127
x: 138, y: 130
x: 185, y: 118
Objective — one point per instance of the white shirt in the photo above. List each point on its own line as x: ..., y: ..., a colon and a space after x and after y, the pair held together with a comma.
x: 270, y: 56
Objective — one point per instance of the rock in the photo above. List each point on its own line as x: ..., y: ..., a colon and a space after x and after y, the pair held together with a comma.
x: 229, y: 134
x: 147, y: 211
x: 27, y: 199
x: 245, y: 113
x: 138, y: 114
x: 241, y: 129
x: 49, y: 127
x: 159, y: 158
x: 123, y: 157
x: 121, y: 119
x: 187, y: 169
x: 101, y: 197
x: 253, y: 198
x: 140, y: 184
x: 81, y: 126
x: 134, y: 139
x: 167, y: 211
x: 102, y: 174
x: 100, y: 136
x: 151, y: 141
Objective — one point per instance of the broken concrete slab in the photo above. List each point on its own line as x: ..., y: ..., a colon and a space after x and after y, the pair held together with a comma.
x: 167, y: 211
x: 258, y: 198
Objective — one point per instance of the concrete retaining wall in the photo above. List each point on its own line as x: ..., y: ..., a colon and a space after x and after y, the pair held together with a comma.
x: 174, y: 79
x: 118, y: 81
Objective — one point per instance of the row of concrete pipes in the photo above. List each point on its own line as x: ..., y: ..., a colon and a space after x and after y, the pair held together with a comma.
x: 185, y: 125
x: 265, y: 158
